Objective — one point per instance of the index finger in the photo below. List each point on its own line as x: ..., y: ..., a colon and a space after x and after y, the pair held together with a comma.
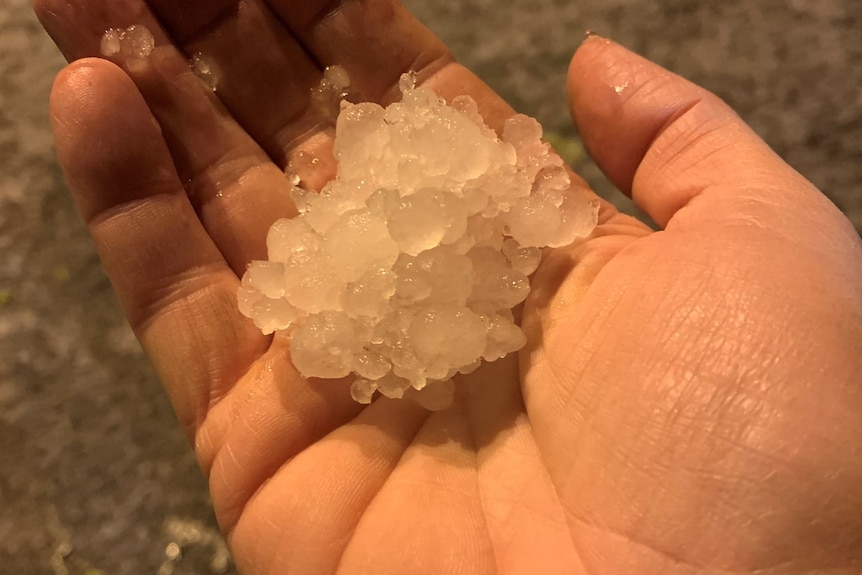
x: 377, y: 41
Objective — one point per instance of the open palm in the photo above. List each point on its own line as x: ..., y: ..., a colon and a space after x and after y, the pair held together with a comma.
x: 688, y: 401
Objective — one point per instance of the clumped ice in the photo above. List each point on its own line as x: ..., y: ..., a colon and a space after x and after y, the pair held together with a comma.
x: 404, y: 270
x: 133, y: 42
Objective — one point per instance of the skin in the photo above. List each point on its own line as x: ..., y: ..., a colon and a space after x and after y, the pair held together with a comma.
x: 689, y: 400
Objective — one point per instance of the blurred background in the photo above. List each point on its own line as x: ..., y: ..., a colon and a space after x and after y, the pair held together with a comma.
x: 96, y: 477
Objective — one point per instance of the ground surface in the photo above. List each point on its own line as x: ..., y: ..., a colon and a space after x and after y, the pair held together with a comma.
x: 95, y: 476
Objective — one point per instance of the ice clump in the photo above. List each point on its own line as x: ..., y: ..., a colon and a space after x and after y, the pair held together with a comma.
x: 404, y: 270
x: 133, y: 42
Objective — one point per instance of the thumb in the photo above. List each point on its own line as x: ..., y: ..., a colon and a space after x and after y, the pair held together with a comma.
x: 678, y: 150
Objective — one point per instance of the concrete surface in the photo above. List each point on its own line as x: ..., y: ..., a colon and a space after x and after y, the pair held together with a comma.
x: 95, y: 475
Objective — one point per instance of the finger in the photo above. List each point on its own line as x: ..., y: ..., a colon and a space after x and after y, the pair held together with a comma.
x: 173, y: 283
x: 379, y: 40
x: 271, y: 416
x: 325, y: 508
x: 376, y: 41
x: 264, y: 75
x: 434, y: 488
x: 526, y: 525
x: 234, y: 187
x: 664, y: 140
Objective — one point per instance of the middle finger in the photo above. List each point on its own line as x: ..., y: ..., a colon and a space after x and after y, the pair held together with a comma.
x: 264, y: 76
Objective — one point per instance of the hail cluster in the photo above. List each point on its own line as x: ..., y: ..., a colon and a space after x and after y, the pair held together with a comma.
x: 404, y: 270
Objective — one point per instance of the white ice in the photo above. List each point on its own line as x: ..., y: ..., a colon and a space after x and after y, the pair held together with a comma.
x: 134, y: 42
x: 404, y: 270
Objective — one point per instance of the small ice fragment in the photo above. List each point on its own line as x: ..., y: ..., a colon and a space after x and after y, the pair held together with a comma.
x: 358, y: 241
x: 362, y: 391
x: 525, y: 260
x: 369, y: 296
x: 292, y: 177
x: 447, y: 333
x: 135, y: 42
x: 413, y: 283
x: 333, y: 88
x: 139, y: 41
x: 419, y: 222
x: 494, y: 282
x: 302, y: 199
x: 504, y: 337
x: 300, y: 163
x: 408, y: 81
x: 247, y: 297
x: 337, y: 78
x: 290, y: 239
x: 449, y: 275
x: 267, y: 278
x: 522, y: 132
x: 468, y: 369
x: 371, y: 365
x: 534, y: 221
x: 435, y: 397
x: 551, y: 179
x: 111, y: 42
x: 274, y: 314
x: 204, y: 69
x: 392, y: 386
x: 312, y: 284
x: 467, y: 106
x: 324, y: 346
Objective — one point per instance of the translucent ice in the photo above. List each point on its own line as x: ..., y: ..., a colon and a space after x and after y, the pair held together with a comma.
x: 138, y: 42
x: 204, y: 69
x: 111, y: 42
x: 337, y: 78
x: 134, y: 42
x: 300, y: 163
x: 404, y: 270
x: 333, y: 88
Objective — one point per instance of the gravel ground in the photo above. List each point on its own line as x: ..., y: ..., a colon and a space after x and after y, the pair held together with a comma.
x: 95, y: 475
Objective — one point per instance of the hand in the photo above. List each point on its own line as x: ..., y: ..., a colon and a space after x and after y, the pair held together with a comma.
x: 689, y: 400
